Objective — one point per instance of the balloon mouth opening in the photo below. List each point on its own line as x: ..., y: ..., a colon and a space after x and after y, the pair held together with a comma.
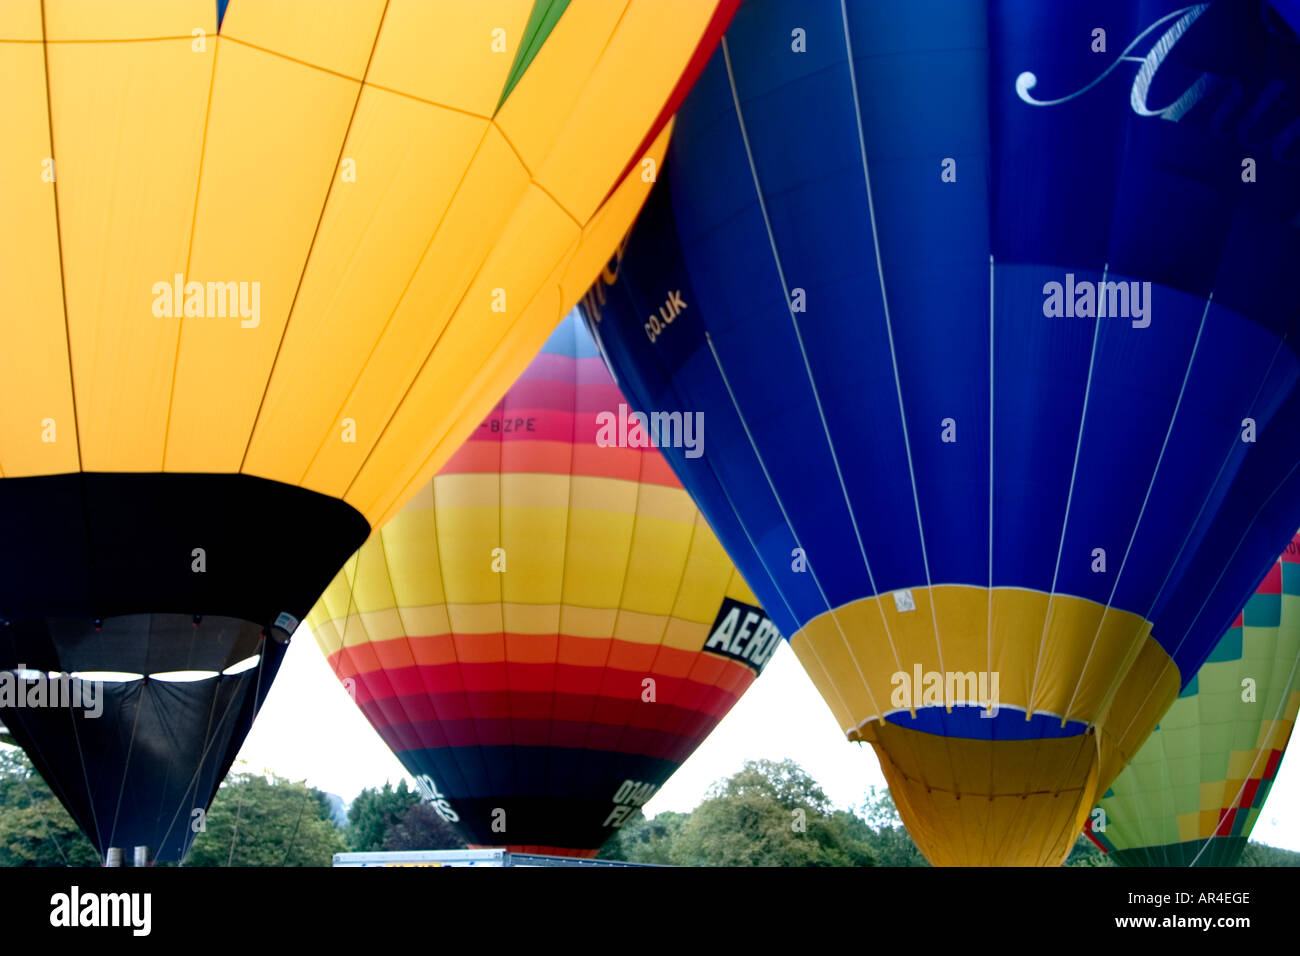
x: 126, y: 677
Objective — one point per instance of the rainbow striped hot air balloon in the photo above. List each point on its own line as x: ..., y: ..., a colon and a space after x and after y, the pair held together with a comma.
x: 1196, y: 788
x: 549, y: 628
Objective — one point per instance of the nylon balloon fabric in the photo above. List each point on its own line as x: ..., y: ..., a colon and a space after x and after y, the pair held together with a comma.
x: 264, y: 266
x: 988, y: 307
x: 549, y: 629
x: 1197, y: 787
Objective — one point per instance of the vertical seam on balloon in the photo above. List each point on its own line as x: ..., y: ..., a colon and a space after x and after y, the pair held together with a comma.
x: 889, y: 332
x: 745, y: 425
x: 989, y: 623
x: 991, y: 704
x: 668, y: 619
x: 585, y: 750
x: 501, y: 598
x: 58, y: 238
x: 189, y: 248
x: 470, y: 717
x: 1155, y: 473
x: 564, y: 569
x: 320, y: 219
x: 399, y: 700
x: 126, y: 760
x: 1065, y: 520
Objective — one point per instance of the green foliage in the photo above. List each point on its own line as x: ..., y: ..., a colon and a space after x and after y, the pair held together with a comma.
x: 1085, y: 853
x: 35, y: 830
x: 1260, y: 854
x: 375, y: 812
x: 890, y: 841
x: 645, y: 841
x: 260, y: 821
x: 770, y: 814
x: 420, y: 828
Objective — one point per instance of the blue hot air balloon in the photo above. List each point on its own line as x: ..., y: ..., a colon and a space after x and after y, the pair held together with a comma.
x: 989, y: 309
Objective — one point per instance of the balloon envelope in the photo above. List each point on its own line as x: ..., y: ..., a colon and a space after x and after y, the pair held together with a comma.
x: 549, y: 628
x: 264, y: 265
x: 987, y: 318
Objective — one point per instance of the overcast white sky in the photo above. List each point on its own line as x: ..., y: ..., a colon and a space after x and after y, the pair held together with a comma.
x: 310, y: 729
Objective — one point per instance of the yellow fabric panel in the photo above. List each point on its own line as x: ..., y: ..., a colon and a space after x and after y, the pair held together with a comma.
x: 1041, y: 792
x: 865, y: 643
x: 333, y: 35
x: 20, y: 20
x: 466, y: 538
x: 736, y: 587
x: 1189, y: 827
x: 129, y: 19
x: 715, y: 576
x: 122, y: 171
x: 536, y: 551
x: 461, y: 411
x: 414, y: 565
x: 655, y: 566
x: 575, y: 148
x: 409, y: 157
x: 442, y: 50
x: 485, y: 200
x: 34, y: 379
x: 597, y: 554
x: 372, y: 589
x: 266, y: 163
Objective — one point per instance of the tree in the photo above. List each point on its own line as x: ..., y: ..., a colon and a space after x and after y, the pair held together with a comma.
x: 266, y: 821
x: 769, y: 814
x: 889, y: 839
x: 35, y: 830
x: 421, y: 828
x: 1261, y: 854
x: 375, y: 812
x: 645, y: 841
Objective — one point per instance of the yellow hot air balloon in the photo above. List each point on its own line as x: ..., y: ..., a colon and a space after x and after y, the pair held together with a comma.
x: 549, y: 628
x: 264, y: 265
